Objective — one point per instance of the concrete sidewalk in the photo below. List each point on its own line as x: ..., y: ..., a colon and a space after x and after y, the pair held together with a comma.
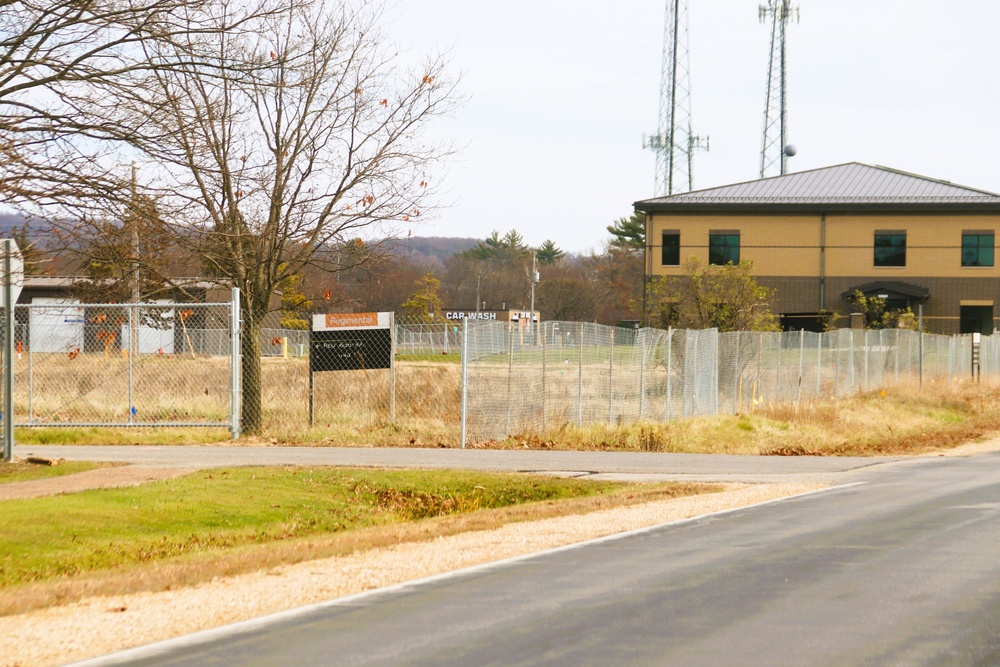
x: 599, y: 465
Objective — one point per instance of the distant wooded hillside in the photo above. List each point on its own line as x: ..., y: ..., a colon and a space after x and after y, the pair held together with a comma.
x: 10, y: 220
x: 432, y: 249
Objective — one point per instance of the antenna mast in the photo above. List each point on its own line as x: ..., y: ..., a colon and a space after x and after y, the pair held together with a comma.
x: 773, y: 151
x: 673, y: 142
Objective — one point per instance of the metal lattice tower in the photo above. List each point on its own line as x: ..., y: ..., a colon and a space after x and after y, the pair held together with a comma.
x: 773, y: 150
x: 673, y: 142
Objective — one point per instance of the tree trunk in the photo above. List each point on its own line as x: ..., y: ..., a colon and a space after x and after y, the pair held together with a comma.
x: 252, y: 421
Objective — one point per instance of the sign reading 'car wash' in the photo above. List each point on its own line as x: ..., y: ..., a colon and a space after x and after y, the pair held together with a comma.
x: 350, y: 341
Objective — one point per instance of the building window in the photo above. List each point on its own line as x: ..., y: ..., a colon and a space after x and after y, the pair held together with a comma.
x: 890, y: 248
x: 723, y: 248
x: 671, y: 248
x: 977, y: 248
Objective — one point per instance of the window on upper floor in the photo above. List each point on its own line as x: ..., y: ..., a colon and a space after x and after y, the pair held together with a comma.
x: 671, y: 248
x: 977, y: 248
x: 890, y: 248
x: 723, y: 248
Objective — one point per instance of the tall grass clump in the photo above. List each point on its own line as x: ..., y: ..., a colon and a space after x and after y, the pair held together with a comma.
x: 899, y: 420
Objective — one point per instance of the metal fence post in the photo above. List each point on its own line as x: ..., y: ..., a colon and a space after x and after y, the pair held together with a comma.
x: 510, y: 369
x: 882, y: 357
x: 8, y: 376
x: 540, y: 330
x: 611, y: 378
x: 31, y: 374
x: 463, y: 429
x: 851, y: 358
x: 802, y: 344
x: 670, y: 349
x: 392, y: 367
x: 642, y: 370
x: 737, y: 383
x: 819, y: 364
x: 920, y: 360
x: 579, y: 382
x: 895, y: 353
x: 920, y: 343
x: 758, y: 382
x: 235, y: 361
x: 867, y: 348
x: 133, y: 345
x: 777, y: 368
x: 692, y: 385
x: 951, y: 356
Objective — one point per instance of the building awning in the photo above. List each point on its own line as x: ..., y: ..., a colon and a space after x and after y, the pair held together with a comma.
x: 890, y: 290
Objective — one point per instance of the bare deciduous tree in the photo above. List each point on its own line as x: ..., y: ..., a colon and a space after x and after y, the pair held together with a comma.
x: 52, y: 55
x: 277, y: 143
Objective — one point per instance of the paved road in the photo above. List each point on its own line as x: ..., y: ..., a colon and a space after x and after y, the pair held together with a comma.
x: 618, y: 465
x: 900, y: 569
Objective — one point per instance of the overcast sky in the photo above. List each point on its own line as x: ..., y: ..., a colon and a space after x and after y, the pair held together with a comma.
x: 561, y: 92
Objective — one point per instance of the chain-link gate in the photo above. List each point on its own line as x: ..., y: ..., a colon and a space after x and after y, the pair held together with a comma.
x: 162, y: 364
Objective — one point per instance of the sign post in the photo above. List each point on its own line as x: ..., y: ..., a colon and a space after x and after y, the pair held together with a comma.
x: 352, y: 342
x: 312, y: 392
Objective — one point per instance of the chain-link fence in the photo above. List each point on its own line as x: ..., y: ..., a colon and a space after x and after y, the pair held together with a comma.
x: 175, y: 364
x: 523, y: 382
x: 124, y: 365
x: 417, y: 338
x: 366, y: 378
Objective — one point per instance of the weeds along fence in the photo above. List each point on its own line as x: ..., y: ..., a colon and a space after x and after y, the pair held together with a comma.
x: 522, y: 382
x: 125, y: 365
x: 449, y: 383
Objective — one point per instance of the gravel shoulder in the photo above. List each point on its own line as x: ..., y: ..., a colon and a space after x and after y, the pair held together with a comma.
x: 100, y: 625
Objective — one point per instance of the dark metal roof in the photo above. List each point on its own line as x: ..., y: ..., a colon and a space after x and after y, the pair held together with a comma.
x: 65, y: 282
x: 851, y: 187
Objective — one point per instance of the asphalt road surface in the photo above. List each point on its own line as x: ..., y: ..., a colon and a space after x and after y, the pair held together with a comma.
x: 898, y: 568
x: 598, y: 465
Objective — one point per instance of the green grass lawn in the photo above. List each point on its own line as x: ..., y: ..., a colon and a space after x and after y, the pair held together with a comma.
x: 209, y: 511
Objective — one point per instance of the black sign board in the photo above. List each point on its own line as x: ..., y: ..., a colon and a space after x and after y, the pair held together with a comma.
x: 350, y: 349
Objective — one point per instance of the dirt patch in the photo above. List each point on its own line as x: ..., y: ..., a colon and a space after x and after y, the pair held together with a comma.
x: 101, y: 478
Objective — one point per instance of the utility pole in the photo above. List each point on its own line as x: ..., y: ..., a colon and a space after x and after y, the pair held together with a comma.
x: 534, y: 279
x: 134, y: 222
x: 775, y: 150
x: 479, y: 278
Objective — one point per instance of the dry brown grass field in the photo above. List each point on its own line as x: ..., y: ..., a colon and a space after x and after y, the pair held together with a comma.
x: 92, y: 388
x: 900, y: 420
x: 352, y: 408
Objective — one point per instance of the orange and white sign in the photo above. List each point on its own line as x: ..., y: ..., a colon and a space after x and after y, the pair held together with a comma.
x: 338, y: 321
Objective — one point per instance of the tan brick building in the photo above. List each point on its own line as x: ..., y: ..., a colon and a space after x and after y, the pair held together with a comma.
x: 816, y: 236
